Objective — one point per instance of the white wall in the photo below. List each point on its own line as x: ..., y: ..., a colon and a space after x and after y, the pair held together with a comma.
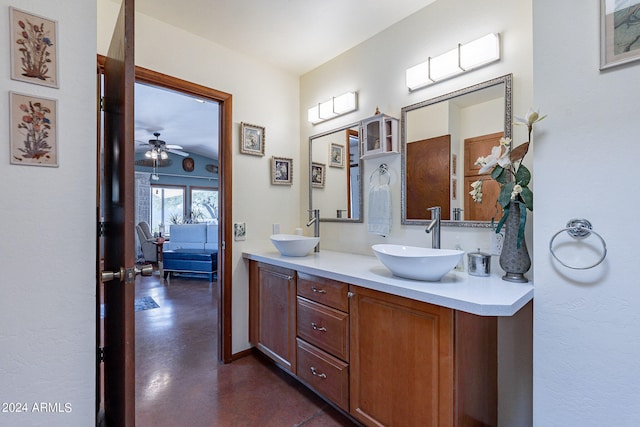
x: 376, y: 69
x: 262, y: 95
x: 586, y: 340
x: 47, y: 252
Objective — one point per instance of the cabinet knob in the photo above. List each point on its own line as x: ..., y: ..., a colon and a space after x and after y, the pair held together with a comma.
x: 318, y: 291
x: 350, y: 294
x: 316, y: 328
x: 315, y: 373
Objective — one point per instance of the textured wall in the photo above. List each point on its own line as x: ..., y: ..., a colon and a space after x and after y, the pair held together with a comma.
x: 47, y: 243
x: 586, y: 340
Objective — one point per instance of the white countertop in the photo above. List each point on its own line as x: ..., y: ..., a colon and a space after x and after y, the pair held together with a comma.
x: 484, y: 296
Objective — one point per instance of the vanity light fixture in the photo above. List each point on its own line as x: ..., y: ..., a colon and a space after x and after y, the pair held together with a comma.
x: 465, y: 57
x: 334, y: 107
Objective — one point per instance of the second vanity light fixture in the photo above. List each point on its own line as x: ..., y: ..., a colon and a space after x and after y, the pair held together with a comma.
x: 334, y: 107
x: 465, y: 57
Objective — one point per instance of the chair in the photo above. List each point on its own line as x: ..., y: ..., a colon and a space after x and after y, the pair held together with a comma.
x: 147, y: 242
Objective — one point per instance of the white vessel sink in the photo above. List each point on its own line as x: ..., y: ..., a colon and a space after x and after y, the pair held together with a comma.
x: 293, y: 244
x: 416, y: 263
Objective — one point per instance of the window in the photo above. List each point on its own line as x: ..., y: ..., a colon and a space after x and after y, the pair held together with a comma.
x: 167, y: 207
x: 204, y: 205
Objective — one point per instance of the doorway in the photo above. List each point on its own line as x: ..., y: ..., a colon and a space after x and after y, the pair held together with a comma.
x: 225, y: 161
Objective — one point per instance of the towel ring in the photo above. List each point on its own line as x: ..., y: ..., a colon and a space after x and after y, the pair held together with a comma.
x: 382, y: 170
x: 579, y: 229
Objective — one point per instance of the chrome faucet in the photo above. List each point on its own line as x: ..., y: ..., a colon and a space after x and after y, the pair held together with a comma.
x: 314, y: 218
x: 434, y: 227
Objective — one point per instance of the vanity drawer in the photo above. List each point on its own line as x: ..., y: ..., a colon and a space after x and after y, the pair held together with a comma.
x: 324, y: 326
x: 325, y: 291
x: 324, y: 373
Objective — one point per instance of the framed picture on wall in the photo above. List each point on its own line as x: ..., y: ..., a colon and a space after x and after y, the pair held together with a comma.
x: 619, y: 32
x: 281, y: 170
x: 251, y: 139
x: 317, y: 174
x: 34, y: 126
x: 34, y: 48
x: 336, y: 155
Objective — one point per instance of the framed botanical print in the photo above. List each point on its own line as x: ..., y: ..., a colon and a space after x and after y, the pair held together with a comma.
x: 336, y: 155
x: 281, y: 170
x: 619, y: 32
x: 34, y: 125
x: 252, y: 139
x: 317, y: 174
x: 34, y: 48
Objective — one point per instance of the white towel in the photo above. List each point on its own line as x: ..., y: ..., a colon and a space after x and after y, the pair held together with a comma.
x: 380, y: 209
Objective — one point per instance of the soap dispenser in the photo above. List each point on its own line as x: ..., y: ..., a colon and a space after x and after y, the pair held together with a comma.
x: 460, y: 265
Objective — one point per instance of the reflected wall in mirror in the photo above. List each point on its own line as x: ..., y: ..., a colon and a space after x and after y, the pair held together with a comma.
x: 441, y: 140
x: 340, y: 198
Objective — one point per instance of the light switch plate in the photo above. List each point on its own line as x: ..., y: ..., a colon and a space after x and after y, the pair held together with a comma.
x: 496, y: 243
x: 239, y: 231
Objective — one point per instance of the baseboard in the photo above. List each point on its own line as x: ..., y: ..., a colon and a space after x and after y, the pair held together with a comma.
x: 243, y: 353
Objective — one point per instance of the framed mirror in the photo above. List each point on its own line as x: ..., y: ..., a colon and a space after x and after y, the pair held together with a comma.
x: 441, y: 138
x: 335, y: 185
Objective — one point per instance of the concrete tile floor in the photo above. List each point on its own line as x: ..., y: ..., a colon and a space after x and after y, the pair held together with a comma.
x: 179, y: 381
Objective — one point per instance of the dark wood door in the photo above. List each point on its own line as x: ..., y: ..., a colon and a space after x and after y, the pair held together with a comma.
x: 489, y: 208
x: 429, y: 177
x: 117, y: 208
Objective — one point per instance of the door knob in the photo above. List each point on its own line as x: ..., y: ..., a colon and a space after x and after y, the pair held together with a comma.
x: 129, y: 273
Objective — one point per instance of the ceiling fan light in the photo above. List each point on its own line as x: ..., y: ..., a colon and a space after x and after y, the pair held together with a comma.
x: 164, y: 155
x: 154, y: 155
x: 147, y: 154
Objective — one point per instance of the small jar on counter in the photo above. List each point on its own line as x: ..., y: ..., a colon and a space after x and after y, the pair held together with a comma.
x: 479, y: 264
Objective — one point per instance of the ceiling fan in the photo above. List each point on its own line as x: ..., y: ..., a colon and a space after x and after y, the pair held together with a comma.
x: 159, y: 149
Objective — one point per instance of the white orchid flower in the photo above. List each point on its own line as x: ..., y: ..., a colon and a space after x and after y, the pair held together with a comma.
x: 497, y: 157
x: 505, y: 142
x: 476, y: 193
x: 531, y: 118
x: 517, y: 189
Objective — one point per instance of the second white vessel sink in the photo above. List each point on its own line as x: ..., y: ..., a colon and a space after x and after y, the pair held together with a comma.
x: 412, y: 262
x: 293, y: 244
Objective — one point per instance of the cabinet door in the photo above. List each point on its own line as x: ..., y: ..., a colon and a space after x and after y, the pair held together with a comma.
x: 401, y: 361
x: 272, y: 313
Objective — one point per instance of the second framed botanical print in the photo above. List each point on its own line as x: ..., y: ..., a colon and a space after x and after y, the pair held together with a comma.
x: 317, y: 174
x: 281, y: 171
x: 33, y: 130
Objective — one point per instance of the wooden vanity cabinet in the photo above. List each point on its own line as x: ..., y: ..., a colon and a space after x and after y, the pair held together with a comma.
x: 272, y: 313
x: 384, y: 359
x: 414, y: 363
x: 323, y: 337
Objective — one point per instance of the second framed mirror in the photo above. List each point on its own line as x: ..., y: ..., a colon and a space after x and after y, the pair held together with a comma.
x: 335, y: 185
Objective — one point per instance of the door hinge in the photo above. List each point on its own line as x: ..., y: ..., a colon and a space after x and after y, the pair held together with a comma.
x: 102, y: 103
x: 100, y: 354
x: 101, y: 228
